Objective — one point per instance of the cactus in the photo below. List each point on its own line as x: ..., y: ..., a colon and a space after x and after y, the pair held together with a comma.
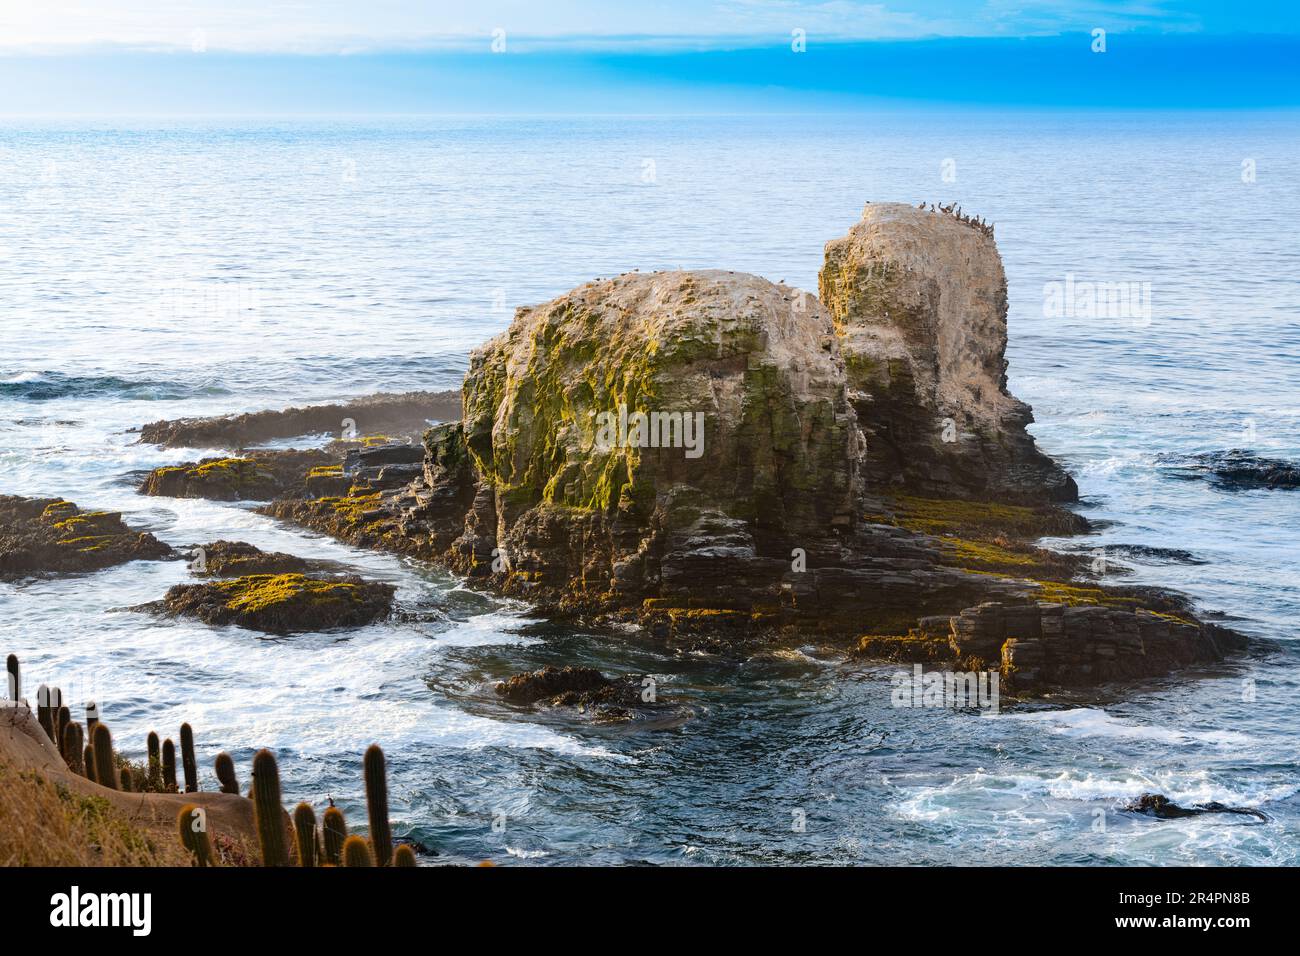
x: 356, y: 852
x: 43, y: 715
x: 381, y: 837
x: 334, y: 832
x: 125, y: 777
x: 188, y: 763
x: 304, y: 829
x: 403, y: 856
x: 226, y: 773
x: 15, y: 678
x: 61, y: 720
x: 105, y: 765
x: 153, y: 764
x: 72, y: 753
x: 169, y: 766
x: 267, y: 809
x: 92, y: 718
x: 191, y: 822
x: 88, y: 759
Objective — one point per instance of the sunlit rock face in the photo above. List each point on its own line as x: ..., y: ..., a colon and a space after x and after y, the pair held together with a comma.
x: 919, y: 301
x: 653, y: 422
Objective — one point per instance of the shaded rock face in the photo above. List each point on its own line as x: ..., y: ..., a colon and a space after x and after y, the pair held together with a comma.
x: 1045, y: 645
x: 919, y: 301
x: 1040, y: 646
x: 51, y: 535
x: 281, y: 603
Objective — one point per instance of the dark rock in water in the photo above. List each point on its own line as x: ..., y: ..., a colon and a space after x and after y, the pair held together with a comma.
x: 1151, y: 553
x: 257, y: 476
x: 281, y: 603
x: 582, y: 687
x: 1158, y: 805
x: 232, y: 559
x: 1237, y: 470
x: 398, y: 416
x: 52, y: 535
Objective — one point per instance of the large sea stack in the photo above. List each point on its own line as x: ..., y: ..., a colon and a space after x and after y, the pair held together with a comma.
x: 710, y: 451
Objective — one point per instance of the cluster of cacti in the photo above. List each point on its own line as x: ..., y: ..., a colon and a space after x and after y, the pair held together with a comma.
x: 91, y: 754
x: 330, y: 845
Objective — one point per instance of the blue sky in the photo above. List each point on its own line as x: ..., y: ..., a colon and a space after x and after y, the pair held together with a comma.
x: 510, y: 56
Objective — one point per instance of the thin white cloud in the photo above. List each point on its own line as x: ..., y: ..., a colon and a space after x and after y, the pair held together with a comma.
x: 341, y: 26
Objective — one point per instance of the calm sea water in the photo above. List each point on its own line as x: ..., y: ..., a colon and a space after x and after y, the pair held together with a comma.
x: 156, y: 269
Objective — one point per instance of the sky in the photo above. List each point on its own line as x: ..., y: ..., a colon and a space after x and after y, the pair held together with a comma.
x: 184, y: 57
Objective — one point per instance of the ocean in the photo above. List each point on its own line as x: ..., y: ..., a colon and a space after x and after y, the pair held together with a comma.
x: 155, y: 269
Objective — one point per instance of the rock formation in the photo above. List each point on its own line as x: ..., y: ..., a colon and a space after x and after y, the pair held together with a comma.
x: 281, y: 603
x: 585, y: 688
x: 919, y: 302
x: 257, y: 476
x: 709, y: 453
x: 233, y: 559
x: 51, y: 535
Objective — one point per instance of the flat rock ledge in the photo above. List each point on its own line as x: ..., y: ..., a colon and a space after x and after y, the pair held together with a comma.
x: 404, y: 415
x: 40, y: 536
x: 852, y: 469
x: 255, y: 476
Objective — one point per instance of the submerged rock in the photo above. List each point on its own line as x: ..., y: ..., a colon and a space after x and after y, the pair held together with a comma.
x: 582, y: 687
x: 281, y: 603
x: 52, y: 535
x: 401, y: 416
x: 257, y: 476
x: 1158, y: 805
x: 1237, y: 470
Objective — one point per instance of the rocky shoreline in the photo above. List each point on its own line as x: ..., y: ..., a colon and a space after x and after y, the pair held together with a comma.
x: 722, y: 461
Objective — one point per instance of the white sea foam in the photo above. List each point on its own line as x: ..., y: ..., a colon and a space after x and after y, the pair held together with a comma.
x: 1092, y: 722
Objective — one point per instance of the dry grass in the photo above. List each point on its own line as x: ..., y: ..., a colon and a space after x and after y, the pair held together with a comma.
x: 46, y: 824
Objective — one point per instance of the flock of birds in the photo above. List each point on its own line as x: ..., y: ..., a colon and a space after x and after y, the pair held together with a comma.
x: 954, y: 210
